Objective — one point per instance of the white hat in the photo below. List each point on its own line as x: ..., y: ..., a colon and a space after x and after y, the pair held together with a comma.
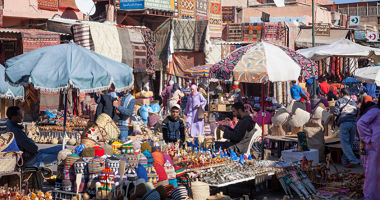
x: 171, y: 82
x: 176, y: 106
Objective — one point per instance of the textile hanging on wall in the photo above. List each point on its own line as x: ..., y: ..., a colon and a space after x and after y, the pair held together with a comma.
x: 184, y: 33
x: 150, y: 44
x: 228, y: 14
x: 234, y: 33
x: 226, y: 50
x: 65, y: 4
x: 34, y: 39
x: 135, y: 35
x: 82, y: 36
x: 139, y: 57
x: 127, y: 52
x: 186, y: 9
x: 200, y: 34
x: 162, y: 34
x: 49, y: 101
x: 48, y: 5
x: 215, y: 18
x: 185, y: 60
x: 106, y: 40
x: 274, y: 32
x: 201, y: 9
x: 252, y: 32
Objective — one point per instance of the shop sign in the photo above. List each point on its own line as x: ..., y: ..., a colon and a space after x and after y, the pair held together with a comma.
x: 354, y: 20
x: 132, y: 4
x: 359, y: 35
x: 322, y: 29
x: 372, y: 36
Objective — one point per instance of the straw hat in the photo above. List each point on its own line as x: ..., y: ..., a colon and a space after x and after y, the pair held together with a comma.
x: 200, y: 190
x: 6, y: 139
x: 299, y: 118
x: 107, y: 126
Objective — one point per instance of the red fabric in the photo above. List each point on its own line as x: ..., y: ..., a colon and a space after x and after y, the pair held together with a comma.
x: 99, y: 151
x: 333, y: 59
x: 325, y: 87
x: 162, y: 176
x: 48, y: 5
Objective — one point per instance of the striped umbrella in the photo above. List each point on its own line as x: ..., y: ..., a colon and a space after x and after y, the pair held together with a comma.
x: 198, y: 71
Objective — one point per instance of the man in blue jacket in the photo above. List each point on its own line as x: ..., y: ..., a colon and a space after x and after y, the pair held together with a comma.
x: 173, y: 127
x: 126, y: 108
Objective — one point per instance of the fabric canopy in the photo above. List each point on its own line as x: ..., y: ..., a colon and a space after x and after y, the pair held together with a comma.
x: 261, y: 62
x: 368, y: 75
x: 304, y: 38
x: 55, y: 68
x: 341, y: 47
x: 198, y: 71
x: 7, y: 90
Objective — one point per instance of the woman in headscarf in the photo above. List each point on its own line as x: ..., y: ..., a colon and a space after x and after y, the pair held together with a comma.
x: 194, y: 101
x: 368, y: 127
x: 176, y: 95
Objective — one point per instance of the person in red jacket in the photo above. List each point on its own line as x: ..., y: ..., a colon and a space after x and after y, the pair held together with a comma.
x: 324, y: 87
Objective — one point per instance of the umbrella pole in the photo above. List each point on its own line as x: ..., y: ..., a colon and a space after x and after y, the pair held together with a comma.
x: 64, y: 122
x: 208, y: 100
x: 262, y: 118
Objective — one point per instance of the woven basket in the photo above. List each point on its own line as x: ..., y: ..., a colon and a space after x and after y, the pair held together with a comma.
x: 9, y: 160
x: 200, y: 190
x: 6, y: 139
x: 107, y: 127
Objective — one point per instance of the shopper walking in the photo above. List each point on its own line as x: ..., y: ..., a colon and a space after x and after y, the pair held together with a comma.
x: 195, y: 103
x: 346, y: 111
x: 369, y: 132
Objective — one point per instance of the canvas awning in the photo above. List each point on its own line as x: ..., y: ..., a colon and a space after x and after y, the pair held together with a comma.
x: 304, y: 38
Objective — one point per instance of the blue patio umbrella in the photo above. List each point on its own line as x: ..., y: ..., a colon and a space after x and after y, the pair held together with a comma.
x: 7, y: 90
x: 59, y: 67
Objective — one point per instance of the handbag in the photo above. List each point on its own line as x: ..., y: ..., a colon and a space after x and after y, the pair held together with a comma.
x: 201, y: 113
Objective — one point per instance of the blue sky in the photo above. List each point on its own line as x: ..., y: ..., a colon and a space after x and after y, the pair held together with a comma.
x: 350, y: 1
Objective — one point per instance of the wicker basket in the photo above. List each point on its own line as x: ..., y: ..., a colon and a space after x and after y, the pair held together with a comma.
x: 9, y: 160
x: 200, y: 190
x: 107, y: 127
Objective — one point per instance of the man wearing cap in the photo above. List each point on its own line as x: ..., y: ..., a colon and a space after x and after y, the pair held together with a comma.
x: 173, y: 127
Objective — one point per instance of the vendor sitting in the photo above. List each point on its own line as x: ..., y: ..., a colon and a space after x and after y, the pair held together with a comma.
x: 173, y: 127
x: 31, y: 155
x: 237, y: 136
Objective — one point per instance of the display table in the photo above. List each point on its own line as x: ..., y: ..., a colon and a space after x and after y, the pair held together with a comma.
x: 295, y: 156
x: 238, y: 181
x: 18, y: 174
x: 281, y: 142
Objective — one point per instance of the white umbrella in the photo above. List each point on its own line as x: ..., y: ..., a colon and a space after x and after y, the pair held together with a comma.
x: 368, y: 75
x: 342, y: 47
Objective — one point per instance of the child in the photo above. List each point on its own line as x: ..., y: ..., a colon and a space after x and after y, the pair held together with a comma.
x: 173, y: 127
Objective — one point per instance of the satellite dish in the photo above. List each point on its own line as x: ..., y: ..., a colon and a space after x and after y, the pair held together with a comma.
x: 87, y: 7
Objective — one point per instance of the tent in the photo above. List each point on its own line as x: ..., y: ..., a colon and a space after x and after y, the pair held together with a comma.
x: 343, y: 47
x: 368, y: 74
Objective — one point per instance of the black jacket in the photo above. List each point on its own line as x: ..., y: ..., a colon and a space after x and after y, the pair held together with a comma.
x: 105, y: 105
x: 237, y: 136
x: 173, y: 130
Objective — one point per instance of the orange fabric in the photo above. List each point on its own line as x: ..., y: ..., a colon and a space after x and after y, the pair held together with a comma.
x: 367, y: 99
x: 158, y: 158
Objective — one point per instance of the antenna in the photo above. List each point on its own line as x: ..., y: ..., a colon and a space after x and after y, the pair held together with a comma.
x: 87, y: 7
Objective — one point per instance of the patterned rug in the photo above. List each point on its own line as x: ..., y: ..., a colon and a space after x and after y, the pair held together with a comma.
x: 34, y: 39
x: 139, y: 57
x: 186, y: 9
x: 274, y: 32
x: 162, y: 34
x: 49, y: 101
x: 150, y: 43
x: 183, y: 37
x: 200, y: 34
x: 48, y: 5
x: 252, y: 32
x: 234, y: 32
x: 228, y: 13
x: 82, y: 36
x: 215, y: 18
x: 201, y: 9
